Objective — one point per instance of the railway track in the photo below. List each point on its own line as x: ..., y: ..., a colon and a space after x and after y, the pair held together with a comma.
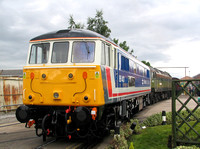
x: 19, y: 139
x: 9, y: 124
x: 90, y: 144
x: 8, y: 139
x: 72, y: 144
x: 45, y: 144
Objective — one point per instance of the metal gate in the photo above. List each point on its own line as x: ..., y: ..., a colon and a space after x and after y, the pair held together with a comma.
x: 186, y: 112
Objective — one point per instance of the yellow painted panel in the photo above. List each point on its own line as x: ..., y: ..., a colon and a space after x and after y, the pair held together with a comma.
x: 70, y: 91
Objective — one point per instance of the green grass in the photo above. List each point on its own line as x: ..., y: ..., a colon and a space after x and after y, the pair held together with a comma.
x: 152, y: 138
x: 192, y: 135
x: 157, y: 137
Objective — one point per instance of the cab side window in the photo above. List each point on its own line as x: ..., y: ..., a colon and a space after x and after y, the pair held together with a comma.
x: 115, y: 58
x: 105, y: 54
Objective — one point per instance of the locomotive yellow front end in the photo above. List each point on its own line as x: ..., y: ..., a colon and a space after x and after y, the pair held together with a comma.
x: 74, y: 85
x: 62, y: 84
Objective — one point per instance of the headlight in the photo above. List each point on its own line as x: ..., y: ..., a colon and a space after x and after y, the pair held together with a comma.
x: 44, y: 76
x: 55, y: 95
x: 70, y: 76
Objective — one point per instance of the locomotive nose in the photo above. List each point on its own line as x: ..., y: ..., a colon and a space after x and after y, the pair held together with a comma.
x: 82, y: 116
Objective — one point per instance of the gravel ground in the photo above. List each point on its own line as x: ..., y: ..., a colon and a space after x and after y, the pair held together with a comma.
x: 8, y: 117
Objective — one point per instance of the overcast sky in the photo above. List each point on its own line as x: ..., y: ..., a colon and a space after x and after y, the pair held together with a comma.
x: 166, y: 32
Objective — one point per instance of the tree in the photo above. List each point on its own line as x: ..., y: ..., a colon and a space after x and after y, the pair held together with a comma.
x: 123, y: 45
x: 132, y: 51
x: 72, y: 23
x: 98, y: 24
x: 116, y: 40
x: 146, y: 63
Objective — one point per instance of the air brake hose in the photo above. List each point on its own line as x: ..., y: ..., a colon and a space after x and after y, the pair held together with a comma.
x: 43, y: 126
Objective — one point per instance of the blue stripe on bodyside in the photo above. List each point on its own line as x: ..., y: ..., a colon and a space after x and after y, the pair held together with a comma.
x: 104, y: 81
x: 121, y: 80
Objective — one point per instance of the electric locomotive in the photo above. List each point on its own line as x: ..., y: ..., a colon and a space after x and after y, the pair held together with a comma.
x: 79, y: 83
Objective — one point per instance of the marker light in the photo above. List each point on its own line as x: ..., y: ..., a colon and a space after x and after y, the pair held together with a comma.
x: 94, y: 113
x: 84, y: 75
x: 32, y: 75
x: 86, y: 98
x: 30, y: 97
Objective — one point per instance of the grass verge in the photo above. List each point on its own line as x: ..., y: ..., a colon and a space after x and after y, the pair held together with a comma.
x: 156, y: 137
x: 152, y: 138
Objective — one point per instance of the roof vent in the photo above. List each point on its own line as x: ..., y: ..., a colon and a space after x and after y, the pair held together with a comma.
x: 63, y: 31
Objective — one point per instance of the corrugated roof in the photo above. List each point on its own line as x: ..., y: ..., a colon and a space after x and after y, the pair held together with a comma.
x: 197, y: 76
x: 13, y: 73
x: 187, y: 78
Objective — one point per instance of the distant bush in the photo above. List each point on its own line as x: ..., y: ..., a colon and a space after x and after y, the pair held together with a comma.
x: 156, y: 119
x: 153, y: 120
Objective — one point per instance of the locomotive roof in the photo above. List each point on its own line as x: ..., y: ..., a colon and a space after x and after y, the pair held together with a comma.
x: 71, y: 33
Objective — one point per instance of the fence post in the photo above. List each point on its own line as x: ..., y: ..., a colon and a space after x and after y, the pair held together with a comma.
x: 174, y: 114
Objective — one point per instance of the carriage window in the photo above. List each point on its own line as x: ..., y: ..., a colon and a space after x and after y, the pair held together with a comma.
x: 124, y: 63
x: 131, y: 81
x: 107, y: 50
x: 131, y: 66
x: 119, y: 60
x: 115, y: 58
x: 60, y: 52
x: 39, y: 53
x: 135, y: 68
x: 103, y: 60
x: 148, y: 75
x: 83, y: 52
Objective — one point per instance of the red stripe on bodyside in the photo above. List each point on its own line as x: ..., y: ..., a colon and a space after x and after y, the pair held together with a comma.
x: 109, y: 82
x: 128, y: 93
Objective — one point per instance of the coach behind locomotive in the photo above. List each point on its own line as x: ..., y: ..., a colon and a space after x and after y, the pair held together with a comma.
x: 77, y: 82
x: 161, y: 85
